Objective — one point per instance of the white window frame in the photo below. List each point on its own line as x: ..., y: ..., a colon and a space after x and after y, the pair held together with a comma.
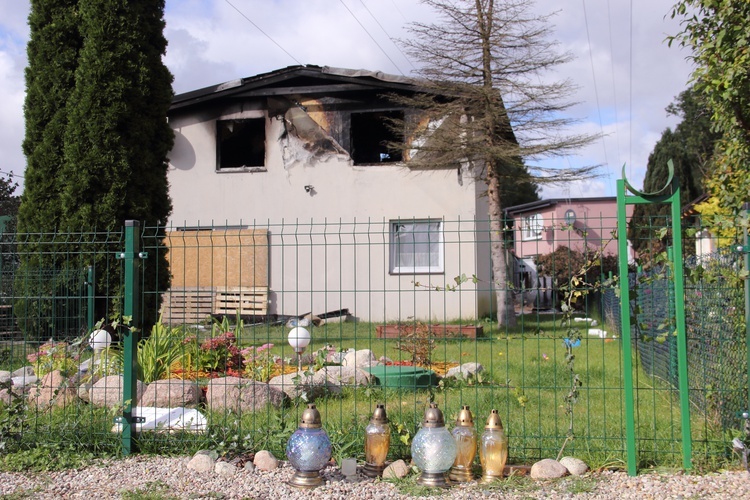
x: 532, y: 227
x: 402, y: 236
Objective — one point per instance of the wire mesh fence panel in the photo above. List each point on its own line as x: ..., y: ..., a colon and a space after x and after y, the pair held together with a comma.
x: 399, y: 312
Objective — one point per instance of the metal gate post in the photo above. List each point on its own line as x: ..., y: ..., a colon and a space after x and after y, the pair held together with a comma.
x: 746, y: 207
x: 90, y: 291
x: 670, y: 193
x: 131, y: 309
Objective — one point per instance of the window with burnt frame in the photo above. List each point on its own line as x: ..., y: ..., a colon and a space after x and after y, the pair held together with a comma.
x: 370, y: 134
x: 241, y: 144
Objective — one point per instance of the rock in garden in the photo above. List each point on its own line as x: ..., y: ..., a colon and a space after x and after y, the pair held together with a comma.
x: 4, y: 376
x: 466, y: 370
x: 107, y: 391
x: 171, y: 393
x: 22, y: 384
x: 7, y: 396
x: 225, y: 469
x: 548, y: 469
x: 249, y: 467
x: 342, y: 375
x: 201, y: 462
x: 24, y: 371
x: 309, y: 386
x: 575, y: 466
x: 360, y: 359
x: 265, y: 461
x: 242, y: 395
x: 52, y: 391
x: 396, y: 470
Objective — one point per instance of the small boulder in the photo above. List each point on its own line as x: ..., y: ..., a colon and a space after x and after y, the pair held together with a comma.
x: 265, y: 461
x: 171, y: 393
x: 241, y: 395
x: 466, y: 370
x: 575, y: 466
x: 22, y: 384
x: 24, y: 371
x: 548, y: 469
x: 305, y: 386
x: 249, y: 467
x: 201, y: 462
x: 107, y: 391
x: 54, y: 390
x: 360, y: 359
x: 225, y: 469
x: 396, y: 470
x: 4, y: 376
x: 342, y: 375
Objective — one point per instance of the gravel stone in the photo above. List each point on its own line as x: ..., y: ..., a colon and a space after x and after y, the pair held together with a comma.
x: 172, y: 478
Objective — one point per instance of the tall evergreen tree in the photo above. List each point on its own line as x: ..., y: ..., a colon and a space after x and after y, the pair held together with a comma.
x: 690, y: 146
x: 52, y: 52
x: 117, y: 139
x: 97, y: 135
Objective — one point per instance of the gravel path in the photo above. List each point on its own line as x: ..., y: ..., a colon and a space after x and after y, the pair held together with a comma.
x: 168, y: 478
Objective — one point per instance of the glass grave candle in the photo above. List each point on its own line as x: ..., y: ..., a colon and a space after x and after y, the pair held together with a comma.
x: 433, y: 449
x: 308, y: 450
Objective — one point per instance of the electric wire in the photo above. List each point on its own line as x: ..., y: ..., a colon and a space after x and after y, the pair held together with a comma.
x: 387, y: 34
x: 593, y: 75
x: 614, y: 86
x: 630, y: 104
x: 11, y: 174
x: 264, y: 33
x: 371, y: 37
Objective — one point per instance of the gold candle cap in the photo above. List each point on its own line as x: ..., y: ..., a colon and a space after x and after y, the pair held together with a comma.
x: 465, y: 418
x: 311, y: 418
x: 493, y: 421
x: 379, y: 416
x: 433, y: 417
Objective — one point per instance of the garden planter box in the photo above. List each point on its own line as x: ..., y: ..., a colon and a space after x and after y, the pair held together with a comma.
x: 437, y: 331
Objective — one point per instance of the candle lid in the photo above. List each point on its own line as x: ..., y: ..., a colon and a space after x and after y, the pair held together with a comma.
x: 493, y: 421
x: 465, y: 418
x: 379, y: 416
x: 433, y: 417
x: 311, y: 418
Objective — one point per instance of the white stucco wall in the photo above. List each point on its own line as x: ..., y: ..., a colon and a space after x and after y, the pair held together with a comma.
x: 320, y: 260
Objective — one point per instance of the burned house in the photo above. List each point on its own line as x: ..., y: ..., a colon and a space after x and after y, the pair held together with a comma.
x: 285, y: 183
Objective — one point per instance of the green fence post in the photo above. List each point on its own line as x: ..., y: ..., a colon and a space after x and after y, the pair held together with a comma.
x: 625, y: 333
x: 746, y: 207
x: 131, y: 310
x: 681, y: 330
x: 90, y: 291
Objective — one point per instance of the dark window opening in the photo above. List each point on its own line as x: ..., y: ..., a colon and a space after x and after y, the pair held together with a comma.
x: 242, y: 143
x: 370, y: 135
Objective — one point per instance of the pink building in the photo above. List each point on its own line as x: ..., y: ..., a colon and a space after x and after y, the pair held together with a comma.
x: 542, y: 226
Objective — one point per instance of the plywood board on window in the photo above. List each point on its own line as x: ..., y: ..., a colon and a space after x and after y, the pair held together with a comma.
x: 218, y: 259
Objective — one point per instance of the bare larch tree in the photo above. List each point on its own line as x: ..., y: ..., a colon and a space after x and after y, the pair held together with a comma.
x: 491, y: 104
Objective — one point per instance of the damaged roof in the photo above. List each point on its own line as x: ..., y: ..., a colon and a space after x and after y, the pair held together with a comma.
x: 302, y: 79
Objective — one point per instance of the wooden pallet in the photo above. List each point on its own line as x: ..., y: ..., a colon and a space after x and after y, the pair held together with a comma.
x: 247, y: 301
x: 187, y: 305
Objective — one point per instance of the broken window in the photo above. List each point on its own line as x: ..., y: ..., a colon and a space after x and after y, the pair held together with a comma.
x: 241, y: 144
x: 370, y: 135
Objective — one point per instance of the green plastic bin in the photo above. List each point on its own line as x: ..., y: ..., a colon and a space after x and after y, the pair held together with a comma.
x: 407, y: 377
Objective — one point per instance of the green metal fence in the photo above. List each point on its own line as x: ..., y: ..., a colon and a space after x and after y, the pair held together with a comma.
x: 403, y: 289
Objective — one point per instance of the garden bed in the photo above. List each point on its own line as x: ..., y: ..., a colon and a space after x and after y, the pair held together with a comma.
x: 436, y: 331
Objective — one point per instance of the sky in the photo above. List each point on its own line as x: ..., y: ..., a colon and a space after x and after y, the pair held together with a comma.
x: 623, y: 69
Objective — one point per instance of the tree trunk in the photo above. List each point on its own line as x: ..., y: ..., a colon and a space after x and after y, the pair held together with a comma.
x: 506, y: 314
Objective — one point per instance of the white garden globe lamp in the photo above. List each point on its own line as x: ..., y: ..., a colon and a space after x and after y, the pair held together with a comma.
x: 100, y: 340
x: 299, y: 339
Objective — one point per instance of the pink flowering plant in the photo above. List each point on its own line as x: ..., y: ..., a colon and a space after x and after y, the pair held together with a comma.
x: 259, y: 363
x: 53, y: 356
x: 220, y: 354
